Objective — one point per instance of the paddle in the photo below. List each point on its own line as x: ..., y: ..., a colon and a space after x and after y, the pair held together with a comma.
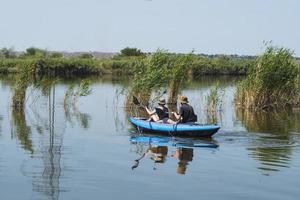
x: 136, y: 102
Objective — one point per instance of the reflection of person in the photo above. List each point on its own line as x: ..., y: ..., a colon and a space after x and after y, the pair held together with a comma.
x: 184, y: 155
x: 186, y: 112
x: 159, y: 153
x: 161, y: 113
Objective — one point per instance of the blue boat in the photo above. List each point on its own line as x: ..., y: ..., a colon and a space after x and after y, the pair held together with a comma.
x: 181, y: 129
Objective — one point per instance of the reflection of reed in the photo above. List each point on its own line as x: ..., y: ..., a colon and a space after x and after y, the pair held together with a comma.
x: 20, y: 129
x: 273, y: 150
x: 271, y: 159
x: 1, y: 118
x: 71, y: 113
x: 48, y: 183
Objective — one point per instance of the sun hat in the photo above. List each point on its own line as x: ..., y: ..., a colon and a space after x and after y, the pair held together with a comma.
x: 183, y: 99
x: 162, y: 101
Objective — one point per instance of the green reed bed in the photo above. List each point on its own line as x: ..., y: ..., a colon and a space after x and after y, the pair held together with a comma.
x: 272, y: 83
x: 67, y: 66
x: 200, y: 65
x: 221, y: 65
x: 160, y: 71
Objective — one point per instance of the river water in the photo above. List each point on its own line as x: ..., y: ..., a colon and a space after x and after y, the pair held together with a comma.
x: 82, y: 150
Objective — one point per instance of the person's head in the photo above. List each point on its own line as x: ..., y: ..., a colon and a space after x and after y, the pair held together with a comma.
x: 183, y: 99
x: 162, y: 102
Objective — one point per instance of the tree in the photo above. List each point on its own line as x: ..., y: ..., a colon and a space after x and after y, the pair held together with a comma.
x: 86, y: 55
x: 35, y: 52
x: 131, y: 52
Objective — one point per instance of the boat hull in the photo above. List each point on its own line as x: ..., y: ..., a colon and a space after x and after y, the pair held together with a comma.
x: 188, y: 130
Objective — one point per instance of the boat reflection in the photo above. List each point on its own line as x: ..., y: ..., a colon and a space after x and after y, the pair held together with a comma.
x: 157, y: 149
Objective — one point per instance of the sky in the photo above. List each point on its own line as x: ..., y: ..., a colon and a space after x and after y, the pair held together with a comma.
x: 205, y: 26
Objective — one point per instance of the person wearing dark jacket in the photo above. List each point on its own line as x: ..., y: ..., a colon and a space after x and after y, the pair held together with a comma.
x: 186, y: 112
x: 161, y: 113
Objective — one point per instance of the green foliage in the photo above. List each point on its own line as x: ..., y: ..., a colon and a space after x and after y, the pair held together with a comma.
x: 123, y: 65
x: 214, y: 99
x: 131, y: 52
x: 7, y: 53
x: 35, y: 52
x: 56, y: 64
x: 272, y: 82
x: 84, y: 88
x: 161, y: 70
x: 214, y: 102
x: 221, y: 65
x: 152, y: 72
x: 86, y: 56
x: 66, y: 67
x: 56, y: 55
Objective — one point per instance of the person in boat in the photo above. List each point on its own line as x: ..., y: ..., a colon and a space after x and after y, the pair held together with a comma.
x: 186, y: 112
x: 160, y: 113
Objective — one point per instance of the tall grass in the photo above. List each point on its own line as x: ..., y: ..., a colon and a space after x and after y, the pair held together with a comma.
x: 214, y: 103
x: 272, y: 83
x: 161, y: 70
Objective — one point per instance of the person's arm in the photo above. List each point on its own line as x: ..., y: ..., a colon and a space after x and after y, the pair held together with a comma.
x: 150, y: 112
x: 177, y: 116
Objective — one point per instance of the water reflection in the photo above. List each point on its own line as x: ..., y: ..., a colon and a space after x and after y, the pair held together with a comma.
x: 51, y: 149
x: 184, y: 155
x: 273, y: 146
x: 20, y: 129
x: 73, y: 116
x: 1, y: 118
x: 44, y: 115
x: 159, y: 155
x: 157, y: 149
x: 269, y: 141
x: 45, y: 176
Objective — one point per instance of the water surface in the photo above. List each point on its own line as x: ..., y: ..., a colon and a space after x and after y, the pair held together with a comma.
x: 51, y: 151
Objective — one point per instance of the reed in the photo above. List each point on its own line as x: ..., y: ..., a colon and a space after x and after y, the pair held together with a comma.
x: 214, y: 103
x: 271, y: 83
x: 159, y: 71
x: 56, y: 65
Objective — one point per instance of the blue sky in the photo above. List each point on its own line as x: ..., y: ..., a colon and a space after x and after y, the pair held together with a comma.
x: 207, y: 26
